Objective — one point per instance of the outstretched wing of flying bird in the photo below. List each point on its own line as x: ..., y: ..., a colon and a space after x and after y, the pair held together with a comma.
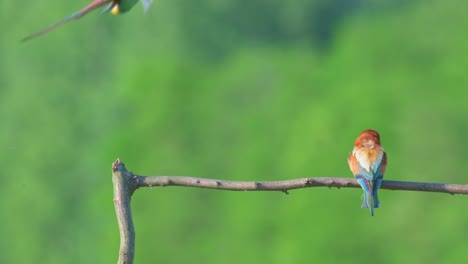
x: 95, y: 4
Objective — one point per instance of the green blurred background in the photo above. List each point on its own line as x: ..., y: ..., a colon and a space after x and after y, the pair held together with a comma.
x: 235, y: 90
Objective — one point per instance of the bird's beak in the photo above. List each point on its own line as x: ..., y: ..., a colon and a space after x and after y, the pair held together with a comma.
x: 369, y: 144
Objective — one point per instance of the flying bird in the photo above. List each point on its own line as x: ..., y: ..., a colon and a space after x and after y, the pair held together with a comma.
x: 114, y: 6
x: 368, y: 162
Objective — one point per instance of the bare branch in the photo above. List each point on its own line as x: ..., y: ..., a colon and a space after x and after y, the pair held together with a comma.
x: 125, y: 183
x: 123, y: 190
x: 284, y: 186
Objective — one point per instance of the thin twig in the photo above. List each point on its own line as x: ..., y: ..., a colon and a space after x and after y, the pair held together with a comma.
x: 125, y: 183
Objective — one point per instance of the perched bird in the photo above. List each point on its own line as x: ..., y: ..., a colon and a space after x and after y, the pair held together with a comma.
x: 368, y: 162
x: 114, y: 6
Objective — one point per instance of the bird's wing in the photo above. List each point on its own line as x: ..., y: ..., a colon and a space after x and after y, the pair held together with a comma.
x: 378, y: 177
x: 146, y: 4
x: 363, y: 176
x: 377, y: 161
x: 353, y: 164
x: 383, y: 165
x: 95, y: 4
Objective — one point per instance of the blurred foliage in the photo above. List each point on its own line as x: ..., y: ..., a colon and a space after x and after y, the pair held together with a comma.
x: 236, y: 90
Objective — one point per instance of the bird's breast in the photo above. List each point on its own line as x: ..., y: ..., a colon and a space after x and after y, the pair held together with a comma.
x: 368, y: 158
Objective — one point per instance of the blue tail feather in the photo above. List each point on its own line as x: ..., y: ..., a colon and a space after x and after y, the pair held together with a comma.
x: 376, y: 200
x: 368, y: 202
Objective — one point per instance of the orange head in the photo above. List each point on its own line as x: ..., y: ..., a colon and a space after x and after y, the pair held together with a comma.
x: 368, y: 139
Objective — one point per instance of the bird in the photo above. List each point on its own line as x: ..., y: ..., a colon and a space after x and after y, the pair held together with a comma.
x: 368, y: 162
x: 115, y: 7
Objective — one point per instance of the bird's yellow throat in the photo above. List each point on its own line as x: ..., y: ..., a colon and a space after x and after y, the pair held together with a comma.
x: 115, y: 10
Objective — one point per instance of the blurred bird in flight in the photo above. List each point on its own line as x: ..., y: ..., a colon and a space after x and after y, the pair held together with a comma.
x: 368, y: 162
x: 114, y: 6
